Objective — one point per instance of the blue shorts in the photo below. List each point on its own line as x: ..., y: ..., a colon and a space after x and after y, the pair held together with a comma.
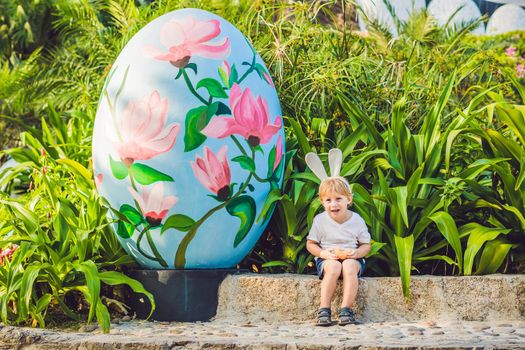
x: 319, y: 265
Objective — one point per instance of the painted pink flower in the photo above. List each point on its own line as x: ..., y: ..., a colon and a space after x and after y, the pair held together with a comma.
x: 250, y: 119
x: 226, y: 68
x: 510, y: 51
x: 278, y: 152
x: 189, y: 37
x: 213, y: 172
x: 141, y: 130
x: 99, y: 179
x: 520, y: 70
x: 225, y: 72
x: 154, y: 206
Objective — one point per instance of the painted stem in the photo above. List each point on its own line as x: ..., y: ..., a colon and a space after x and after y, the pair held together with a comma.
x: 260, y: 179
x: 248, y: 71
x: 192, y: 89
x: 180, y: 256
x: 155, y: 251
x: 146, y: 255
x: 238, y: 144
x: 243, y: 151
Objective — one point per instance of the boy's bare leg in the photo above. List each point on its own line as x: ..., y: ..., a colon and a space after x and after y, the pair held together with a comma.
x: 332, y: 271
x: 350, y: 282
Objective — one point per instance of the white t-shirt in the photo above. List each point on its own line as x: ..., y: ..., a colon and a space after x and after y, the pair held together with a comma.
x: 330, y: 234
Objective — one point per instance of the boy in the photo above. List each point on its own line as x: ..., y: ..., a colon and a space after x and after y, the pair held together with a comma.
x: 339, y: 240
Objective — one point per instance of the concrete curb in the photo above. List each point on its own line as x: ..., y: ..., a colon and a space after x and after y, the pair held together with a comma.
x: 287, y: 297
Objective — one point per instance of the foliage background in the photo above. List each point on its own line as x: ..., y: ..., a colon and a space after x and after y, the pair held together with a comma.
x: 430, y: 124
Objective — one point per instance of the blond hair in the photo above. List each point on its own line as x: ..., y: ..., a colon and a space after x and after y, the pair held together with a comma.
x: 335, y: 185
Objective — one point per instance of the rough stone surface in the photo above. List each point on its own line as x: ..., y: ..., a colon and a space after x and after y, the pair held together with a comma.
x: 278, y: 298
x: 221, y: 334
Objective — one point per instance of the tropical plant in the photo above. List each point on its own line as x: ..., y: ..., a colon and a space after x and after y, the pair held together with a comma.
x: 24, y: 26
x: 66, y: 251
x: 501, y: 195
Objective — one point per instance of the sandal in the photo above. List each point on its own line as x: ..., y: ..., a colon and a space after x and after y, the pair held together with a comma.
x: 346, y: 316
x: 324, y: 317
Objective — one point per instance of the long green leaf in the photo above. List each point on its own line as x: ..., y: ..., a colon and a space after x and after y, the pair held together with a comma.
x: 90, y: 271
x: 404, y: 248
x: 478, y: 235
x: 114, y: 278
x: 26, y: 288
x: 299, y: 134
x: 493, y: 256
x: 448, y: 229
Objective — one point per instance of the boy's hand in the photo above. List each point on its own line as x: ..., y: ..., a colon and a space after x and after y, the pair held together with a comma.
x: 327, y: 255
x: 345, y: 254
x: 351, y: 254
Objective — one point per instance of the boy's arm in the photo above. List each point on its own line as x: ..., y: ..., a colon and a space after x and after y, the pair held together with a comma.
x: 315, y: 250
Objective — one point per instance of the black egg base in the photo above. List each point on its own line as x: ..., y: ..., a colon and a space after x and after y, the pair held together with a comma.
x: 180, y: 295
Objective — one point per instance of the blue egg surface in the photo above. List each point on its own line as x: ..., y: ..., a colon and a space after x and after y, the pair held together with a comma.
x: 188, y: 142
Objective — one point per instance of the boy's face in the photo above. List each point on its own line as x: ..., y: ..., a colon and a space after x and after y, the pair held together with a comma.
x: 336, y: 205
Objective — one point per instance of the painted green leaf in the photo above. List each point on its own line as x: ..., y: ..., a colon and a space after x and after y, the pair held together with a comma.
x: 224, y: 77
x: 271, y: 160
x: 245, y: 162
x: 244, y: 208
x: 196, y: 120
x: 261, y: 71
x: 126, y: 229
x: 234, y: 76
x: 118, y: 169
x: 222, y: 109
x: 213, y: 86
x: 191, y: 66
x: 132, y: 214
x: 179, y: 222
x: 404, y: 248
x: 146, y: 175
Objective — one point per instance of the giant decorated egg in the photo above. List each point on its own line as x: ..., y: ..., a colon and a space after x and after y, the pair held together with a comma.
x: 188, y: 142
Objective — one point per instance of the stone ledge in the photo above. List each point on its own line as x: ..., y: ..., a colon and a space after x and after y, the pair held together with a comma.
x: 288, y: 297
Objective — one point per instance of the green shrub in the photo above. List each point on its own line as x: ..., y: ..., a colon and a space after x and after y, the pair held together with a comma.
x: 67, y: 256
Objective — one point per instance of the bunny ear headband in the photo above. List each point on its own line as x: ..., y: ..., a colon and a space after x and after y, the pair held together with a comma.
x: 335, y: 159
